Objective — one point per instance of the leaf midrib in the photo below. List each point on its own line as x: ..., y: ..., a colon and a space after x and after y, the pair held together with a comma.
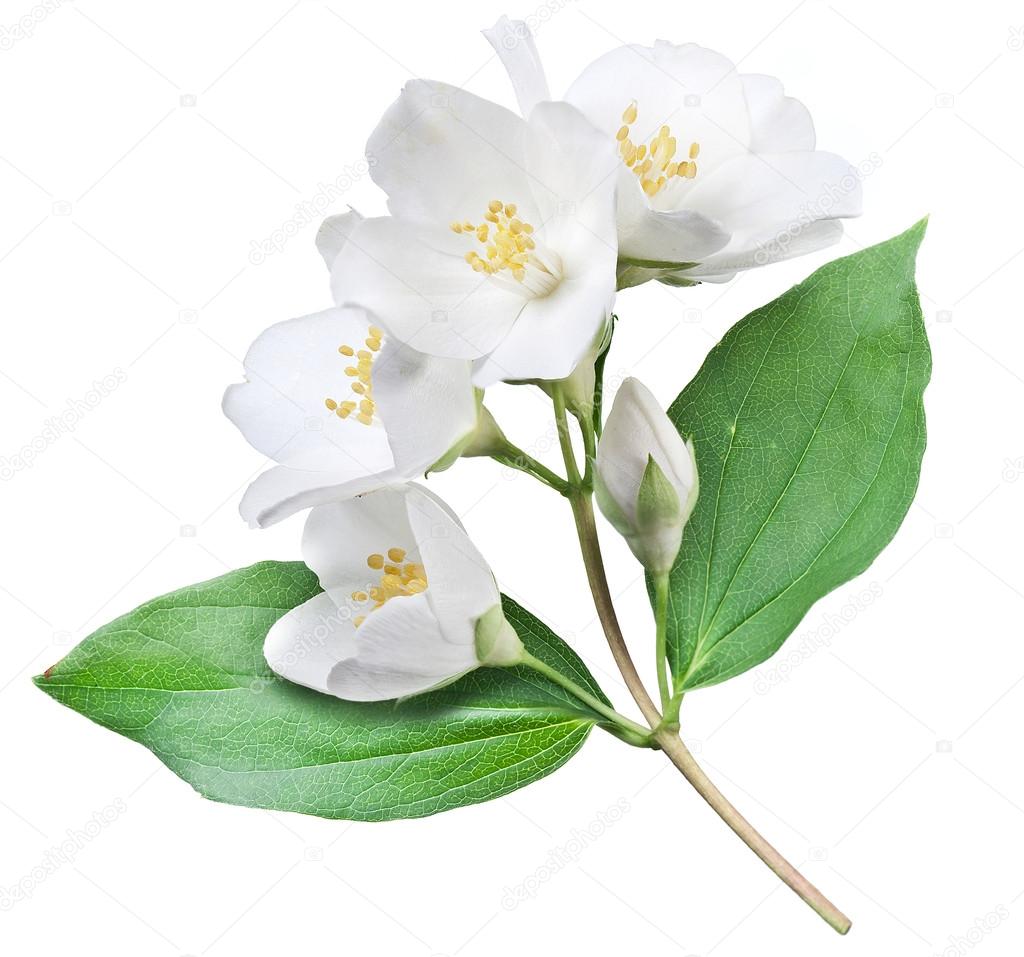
x: 577, y: 723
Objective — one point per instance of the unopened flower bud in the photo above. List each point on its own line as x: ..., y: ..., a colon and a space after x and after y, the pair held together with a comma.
x: 646, y: 477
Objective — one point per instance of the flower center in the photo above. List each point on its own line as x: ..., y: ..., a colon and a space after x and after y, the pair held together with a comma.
x: 398, y: 578
x: 362, y: 386
x: 654, y: 163
x: 510, y: 249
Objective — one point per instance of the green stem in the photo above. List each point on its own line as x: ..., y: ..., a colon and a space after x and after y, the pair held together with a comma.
x: 633, y: 732
x: 589, y: 449
x: 680, y: 756
x: 515, y: 458
x: 586, y: 529
x: 564, y: 437
x: 661, y: 625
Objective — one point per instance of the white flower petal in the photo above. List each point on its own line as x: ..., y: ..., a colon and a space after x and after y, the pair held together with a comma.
x: 334, y: 232
x: 675, y: 235
x: 693, y: 90
x: 430, y: 299
x: 461, y: 584
x: 572, y: 167
x: 281, y: 492
x: 551, y: 334
x: 309, y: 640
x: 637, y: 428
x: 513, y: 43
x: 778, y: 123
x: 442, y: 154
x: 774, y: 248
x: 427, y: 405
x: 291, y: 370
x: 401, y: 651
x: 339, y: 537
x: 754, y: 194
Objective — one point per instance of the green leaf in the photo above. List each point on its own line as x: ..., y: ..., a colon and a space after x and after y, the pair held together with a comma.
x: 809, y: 429
x: 184, y: 675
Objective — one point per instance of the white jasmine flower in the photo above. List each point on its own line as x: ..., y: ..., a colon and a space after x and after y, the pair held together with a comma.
x: 500, y: 247
x: 343, y: 409
x: 408, y: 605
x: 717, y: 170
x: 646, y: 477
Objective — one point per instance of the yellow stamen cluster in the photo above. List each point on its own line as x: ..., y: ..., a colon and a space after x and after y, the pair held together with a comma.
x: 362, y: 407
x: 398, y: 578
x: 654, y: 163
x: 506, y: 240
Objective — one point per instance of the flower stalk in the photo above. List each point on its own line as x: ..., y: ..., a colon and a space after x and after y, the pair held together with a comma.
x: 664, y: 727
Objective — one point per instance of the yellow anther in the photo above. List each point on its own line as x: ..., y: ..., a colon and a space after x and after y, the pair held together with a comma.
x: 654, y: 163
x: 456, y: 227
x: 396, y: 580
x: 363, y: 386
x: 507, y: 247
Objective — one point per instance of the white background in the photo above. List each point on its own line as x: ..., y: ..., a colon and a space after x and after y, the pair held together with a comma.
x: 143, y: 151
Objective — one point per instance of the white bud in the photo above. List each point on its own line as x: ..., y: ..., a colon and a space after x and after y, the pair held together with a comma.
x: 646, y: 477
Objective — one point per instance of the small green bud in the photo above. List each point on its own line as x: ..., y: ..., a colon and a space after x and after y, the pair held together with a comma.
x: 497, y: 643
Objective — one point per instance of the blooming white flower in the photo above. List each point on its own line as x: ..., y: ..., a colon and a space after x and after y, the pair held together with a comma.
x: 500, y: 247
x: 646, y: 477
x: 343, y: 409
x: 408, y: 604
x: 716, y: 169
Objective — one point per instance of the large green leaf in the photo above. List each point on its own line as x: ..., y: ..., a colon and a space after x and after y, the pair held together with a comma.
x: 185, y: 676
x: 809, y: 430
